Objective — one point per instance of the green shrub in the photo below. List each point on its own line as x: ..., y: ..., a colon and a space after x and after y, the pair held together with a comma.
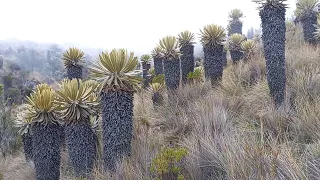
x: 167, y: 164
x: 195, y: 77
x: 9, y: 141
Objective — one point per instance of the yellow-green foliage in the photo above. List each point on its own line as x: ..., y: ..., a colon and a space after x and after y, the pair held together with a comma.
x: 186, y: 38
x: 115, y: 70
x: 158, y: 79
x: 72, y: 57
x: 152, y: 71
x: 235, y: 41
x: 274, y: 3
x: 146, y: 58
x: 167, y: 163
x: 212, y: 35
x: 248, y: 47
x: 157, y: 84
x: 235, y: 14
x: 305, y: 5
x: 169, y: 47
x: 196, y: 75
x: 157, y: 51
x: 42, y: 108
x: 76, y: 100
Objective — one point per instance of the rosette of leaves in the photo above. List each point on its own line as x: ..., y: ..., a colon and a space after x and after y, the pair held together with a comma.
x: 308, y: 17
x: 196, y: 76
x: 73, y: 60
x: 186, y: 41
x: 24, y: 124
x: 94, y: 121
x: 316, y: 34
x: 145, y: 61
x: 46, y: 132
x: 212, y: 38
x: 152, y: 72
x: 248, y: 47
x: 77, y: 103
x: 235, y: 41
x: 157, y: 87
x: 273, y: 21
x: 95, y: 85
x: 118, y: 81
x: 171, y: 62
x: 235, y: 24
x: 157, y: 60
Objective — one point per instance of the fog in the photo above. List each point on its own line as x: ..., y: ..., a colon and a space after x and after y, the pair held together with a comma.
x: 137, y: 25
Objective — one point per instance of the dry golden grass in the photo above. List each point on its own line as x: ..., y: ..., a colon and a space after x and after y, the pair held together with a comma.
x: 15, y: 167
x: 231, y: 132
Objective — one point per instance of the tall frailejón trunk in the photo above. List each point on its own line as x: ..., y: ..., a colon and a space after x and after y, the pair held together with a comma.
x: 235, y: 27
x: 224, y: 58
x: 145, y: 73
x: 273, y: 36
x: 158, y: 65
x: 172, y: 73
x: 213, y: 63
x: 308, y: 20
x: 74, y: 72
x: 46, y: 151
x: 187, y: 61
x: 81, y: 144
x: 27, y: 146
x: 117, y: 126
x: 236, y: 56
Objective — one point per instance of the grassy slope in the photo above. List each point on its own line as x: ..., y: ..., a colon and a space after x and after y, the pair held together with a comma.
x: 231, y: 132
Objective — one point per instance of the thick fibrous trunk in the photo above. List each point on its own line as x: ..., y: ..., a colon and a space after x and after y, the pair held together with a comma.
x: 213, y: 66
x: 308, y: 20
x: 236, y: 56
x: 187, y: 61
x: 27, y: 146
x: 158, y: 65
x: 235, y: 27
x: 117, y: 112
x: 74, y: 72
x: 46, y: 151
x: 81, y: 143
x: 172, y: 73
x: 145, y: 72
x: 273, y: 36
x: 224, y: 58
x: 157, y: 99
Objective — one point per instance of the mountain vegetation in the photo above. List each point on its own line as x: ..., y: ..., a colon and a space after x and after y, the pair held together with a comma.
x: 249, y: 109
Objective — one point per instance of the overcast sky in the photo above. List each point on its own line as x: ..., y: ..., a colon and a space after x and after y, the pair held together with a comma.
x: 133, y: 24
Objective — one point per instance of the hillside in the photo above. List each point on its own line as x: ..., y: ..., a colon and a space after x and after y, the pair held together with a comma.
x: 230, y: 132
